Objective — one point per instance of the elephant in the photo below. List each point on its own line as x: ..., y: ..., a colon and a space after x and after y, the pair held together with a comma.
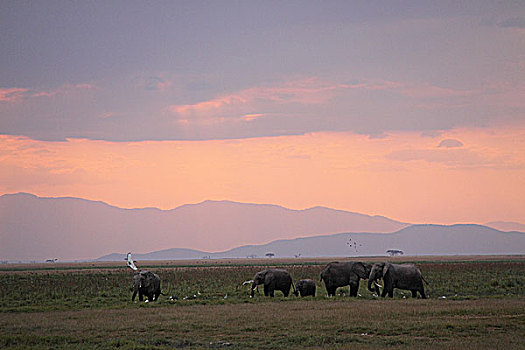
x: 305, y: 288
x: 272, y: 279
x: 401, y: 276
x: 146, y: 283
x: 339, y: 274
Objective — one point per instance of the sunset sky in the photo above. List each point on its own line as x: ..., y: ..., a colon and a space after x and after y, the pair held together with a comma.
x: 414, y: 110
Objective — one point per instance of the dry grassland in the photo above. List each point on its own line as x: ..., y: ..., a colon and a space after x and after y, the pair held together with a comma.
x: 86, y: 307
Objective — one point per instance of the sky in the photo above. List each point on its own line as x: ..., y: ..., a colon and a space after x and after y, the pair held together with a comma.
x: 413, y: 110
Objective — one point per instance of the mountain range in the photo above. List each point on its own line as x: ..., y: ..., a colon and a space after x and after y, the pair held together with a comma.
x: 413, y: 240
x: 37, y: 228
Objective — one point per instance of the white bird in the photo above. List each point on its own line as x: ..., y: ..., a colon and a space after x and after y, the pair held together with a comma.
x: 131, y: 264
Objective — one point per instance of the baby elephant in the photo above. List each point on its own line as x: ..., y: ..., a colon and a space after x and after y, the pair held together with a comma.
x: 305, y: 288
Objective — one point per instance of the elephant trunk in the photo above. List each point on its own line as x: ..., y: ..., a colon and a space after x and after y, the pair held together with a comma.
x: 376, y: 285
x: 135, y: 291
x: 370, y: 281
x: 252, y: 292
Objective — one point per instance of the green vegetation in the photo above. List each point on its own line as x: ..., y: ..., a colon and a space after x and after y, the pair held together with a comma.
x: 476, y: 304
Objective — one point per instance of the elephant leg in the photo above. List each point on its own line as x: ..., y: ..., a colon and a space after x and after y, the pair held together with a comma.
x: 414, y: 293
x: 331, y: 291
x: 422, y: 292
x: 391, y: 293
x: 266, y: 291
x: 286, y: 292
x: 141, y: 296
x: 354, y: 287
x: 383, y: 293
x: 272, y: 293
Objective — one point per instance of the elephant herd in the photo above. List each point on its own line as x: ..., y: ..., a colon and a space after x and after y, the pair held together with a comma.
x: 342, y: 274
x: 334, y: 275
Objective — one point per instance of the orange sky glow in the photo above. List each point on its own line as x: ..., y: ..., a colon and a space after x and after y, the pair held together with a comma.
x: 462, y: 175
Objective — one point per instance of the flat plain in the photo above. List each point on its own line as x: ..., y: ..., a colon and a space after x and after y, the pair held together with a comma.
x: 474, y: 302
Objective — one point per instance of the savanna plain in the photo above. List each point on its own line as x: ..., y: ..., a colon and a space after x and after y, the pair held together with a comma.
x: 474, y: 303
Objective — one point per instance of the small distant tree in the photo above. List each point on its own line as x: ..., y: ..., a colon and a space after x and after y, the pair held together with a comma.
x: 269, y: 255
x: 394, y: 252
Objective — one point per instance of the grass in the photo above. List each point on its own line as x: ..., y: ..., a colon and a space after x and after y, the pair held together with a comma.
x: 84, y: 309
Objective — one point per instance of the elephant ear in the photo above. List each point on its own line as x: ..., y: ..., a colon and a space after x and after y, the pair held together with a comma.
x: 385, y: 269
x: 268, y: 277
x: 360, y: 270
x: 259, y: 276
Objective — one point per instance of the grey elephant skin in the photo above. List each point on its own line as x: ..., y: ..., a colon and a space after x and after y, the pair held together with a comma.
x: 401, y: 276
x: 340, y: 274
x: 147, y: 284
x: 305, y: 288
x: 272, y: 279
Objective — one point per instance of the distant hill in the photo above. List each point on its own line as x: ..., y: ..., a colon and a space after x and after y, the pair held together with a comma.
x: 35, y: 228
x: 413, y: 240
x: 506, y: 226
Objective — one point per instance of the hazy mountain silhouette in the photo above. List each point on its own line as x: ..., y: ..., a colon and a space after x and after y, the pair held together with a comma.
x: 506, y: 226
x: 413, y: 240
x: 35, y: 228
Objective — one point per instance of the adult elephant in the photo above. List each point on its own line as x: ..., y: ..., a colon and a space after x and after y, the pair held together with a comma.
x: 401, y: 276
x: 305, y: 288
x: 147, y: 284
x: 272, y: 279
x: 340, y: 274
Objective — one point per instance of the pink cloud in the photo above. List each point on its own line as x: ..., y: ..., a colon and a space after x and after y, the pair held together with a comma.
x: 247, y: 104
x: 308, y: 91
x: 208, y: 106
x: 295, y: 97
x: 253, y: 116
x: 12, y: 94
x: 64, y: 90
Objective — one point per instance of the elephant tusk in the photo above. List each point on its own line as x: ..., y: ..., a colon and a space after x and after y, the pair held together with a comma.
x: 378, y: 285
x: 247, y: 282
